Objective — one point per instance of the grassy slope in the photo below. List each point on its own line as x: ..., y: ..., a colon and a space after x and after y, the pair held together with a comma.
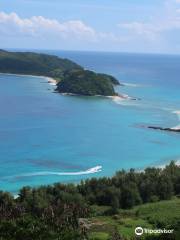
x: 151, y: 215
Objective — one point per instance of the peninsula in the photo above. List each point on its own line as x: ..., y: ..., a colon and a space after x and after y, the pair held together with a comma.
x: 71, y: 78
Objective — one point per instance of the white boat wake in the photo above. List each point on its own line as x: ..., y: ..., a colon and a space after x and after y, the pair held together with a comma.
x: 47, y: 173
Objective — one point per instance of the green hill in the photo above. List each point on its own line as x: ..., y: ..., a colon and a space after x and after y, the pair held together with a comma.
x: 34, y: 63
x: 84, y: 82
x: 71, y: 76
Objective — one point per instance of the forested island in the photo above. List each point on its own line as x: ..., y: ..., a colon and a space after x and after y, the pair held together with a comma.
x: 108, y: 208
x: 71, y: 77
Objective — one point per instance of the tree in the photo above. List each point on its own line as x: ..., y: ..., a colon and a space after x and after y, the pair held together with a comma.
x: 165, y: 187
x: 130, y: 195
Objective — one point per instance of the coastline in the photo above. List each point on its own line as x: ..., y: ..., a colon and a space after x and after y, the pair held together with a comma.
x: 50, y: 80
x: 53, y: 82
x: 114, y: 98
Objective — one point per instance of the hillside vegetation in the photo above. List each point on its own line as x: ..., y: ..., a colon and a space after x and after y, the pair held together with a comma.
x: 95, y: 209
x: 34, y: 63
x: 162, y: 214
x: 72, y: 78
x: 84, y: 82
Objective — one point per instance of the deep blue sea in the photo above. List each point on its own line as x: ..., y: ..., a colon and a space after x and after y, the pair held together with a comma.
x: 46, y: 137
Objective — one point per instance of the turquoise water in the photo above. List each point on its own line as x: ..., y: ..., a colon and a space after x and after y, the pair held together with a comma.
x: 46, y: 137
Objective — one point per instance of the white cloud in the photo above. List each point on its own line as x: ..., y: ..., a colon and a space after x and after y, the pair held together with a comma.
x: 147, y: 30
x: 12, y: 24
x: 152, y: 30
x: 158, y: 27
x: 52, y: 30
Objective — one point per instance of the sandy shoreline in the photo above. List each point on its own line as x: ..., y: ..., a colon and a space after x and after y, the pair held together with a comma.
x: 120, y: 97
x: 116, y: 98
x: 53, y: 82
x: 50, y: 80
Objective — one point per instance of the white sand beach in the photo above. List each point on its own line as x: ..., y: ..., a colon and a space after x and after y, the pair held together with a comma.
x: 50, y: 80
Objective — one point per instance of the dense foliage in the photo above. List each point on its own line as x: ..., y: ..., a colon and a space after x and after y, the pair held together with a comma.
x: 73, y: 78
x: 57, y: 211
x: 127, y: 189
x: 43, y: 213
x: 84, y: 82
x: 34, y: 63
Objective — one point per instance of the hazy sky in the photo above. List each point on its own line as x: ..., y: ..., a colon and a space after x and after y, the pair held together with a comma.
x: 100, y: 25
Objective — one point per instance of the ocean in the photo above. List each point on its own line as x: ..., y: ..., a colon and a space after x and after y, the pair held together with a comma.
x: 46, y: 137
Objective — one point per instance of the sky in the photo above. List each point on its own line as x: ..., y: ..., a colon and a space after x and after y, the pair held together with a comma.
x: 147, y: 26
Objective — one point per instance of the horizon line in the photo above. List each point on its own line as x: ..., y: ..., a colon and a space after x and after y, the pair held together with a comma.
x: 91, y: 51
